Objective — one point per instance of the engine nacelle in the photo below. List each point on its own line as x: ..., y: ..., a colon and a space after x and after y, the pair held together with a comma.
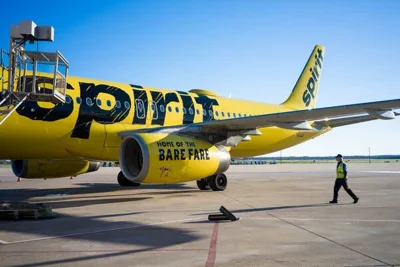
x: 40, y: 168
x: 165, y: 158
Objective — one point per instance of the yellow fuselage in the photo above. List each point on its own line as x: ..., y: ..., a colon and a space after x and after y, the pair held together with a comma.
x: 83, y: 128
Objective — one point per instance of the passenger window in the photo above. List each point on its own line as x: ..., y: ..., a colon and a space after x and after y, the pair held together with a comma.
x: 210, y: 112
x: 98, y: 101
x: 234, y: 115
x: 216, y: 113
x: 184, y: 110
x: 118, y: 104
x: 169, y: 109
x: 109, y: 103
x: 127, y: 104
x: 191, y: 111
x: 155, y: 110
x: 177, y: 110
x: 140, y: 110
x: 197, y: 111
x: 229, y: 114
x: 89, y: 101
x: 68, y: 99
x: 78, y: 100
x: 223, y: 114
x: 240, y: 115
x: 162, y: 109
x: 204, y: 112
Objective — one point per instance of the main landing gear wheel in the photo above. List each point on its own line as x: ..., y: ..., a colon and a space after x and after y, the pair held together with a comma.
x: 125, y: 182
x: 203, y: 184
x: 218, y: 182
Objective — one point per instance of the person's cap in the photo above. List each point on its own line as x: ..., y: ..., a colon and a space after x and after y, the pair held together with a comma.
x: 339, y: 156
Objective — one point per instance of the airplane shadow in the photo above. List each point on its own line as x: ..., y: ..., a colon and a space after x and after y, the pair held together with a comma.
x: 105, y: 189
x: 127, y: 231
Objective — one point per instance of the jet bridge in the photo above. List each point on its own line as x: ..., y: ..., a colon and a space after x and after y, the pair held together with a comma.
x: 31, y: 75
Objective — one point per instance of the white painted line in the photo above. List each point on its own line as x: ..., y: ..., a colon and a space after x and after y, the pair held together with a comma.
x: 319, y: 219
x: 3, y: 242
x: 391, y: 172
x: 100, y: 231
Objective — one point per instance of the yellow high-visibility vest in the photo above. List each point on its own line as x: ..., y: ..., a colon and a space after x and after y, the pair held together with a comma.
x: 340, y: 171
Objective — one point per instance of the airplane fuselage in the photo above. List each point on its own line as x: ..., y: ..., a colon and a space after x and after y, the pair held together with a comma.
x: 87, y: 125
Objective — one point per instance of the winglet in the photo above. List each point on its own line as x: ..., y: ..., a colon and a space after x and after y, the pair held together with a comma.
x: 305, y: 91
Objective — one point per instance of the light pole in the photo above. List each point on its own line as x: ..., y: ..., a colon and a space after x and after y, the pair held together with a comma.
x: 369, y: 154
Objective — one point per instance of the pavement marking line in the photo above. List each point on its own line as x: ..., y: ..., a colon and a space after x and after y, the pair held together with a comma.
x: 99, y: 231
x: 328, y: 239
x: 212, y: 252
x: 96, y: 251
x: 2, y: 242
x: 311, y: 232
x: 319, y: 219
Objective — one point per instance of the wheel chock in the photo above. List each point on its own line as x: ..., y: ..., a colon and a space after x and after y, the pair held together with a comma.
x: 228, y: 214
x: 217, y: 217
x: 224, y: 215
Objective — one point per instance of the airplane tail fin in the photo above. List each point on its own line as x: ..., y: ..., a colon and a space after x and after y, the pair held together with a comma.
x: 305, y: 91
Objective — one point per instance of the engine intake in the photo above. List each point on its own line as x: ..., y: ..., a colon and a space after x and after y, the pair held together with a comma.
x: 164, y: 158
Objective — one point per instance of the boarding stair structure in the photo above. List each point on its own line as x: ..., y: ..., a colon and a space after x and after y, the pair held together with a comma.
x: 30, y: 75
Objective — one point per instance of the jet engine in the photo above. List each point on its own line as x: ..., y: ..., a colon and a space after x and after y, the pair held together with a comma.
x: 166, y: 158
x: 41, y: 168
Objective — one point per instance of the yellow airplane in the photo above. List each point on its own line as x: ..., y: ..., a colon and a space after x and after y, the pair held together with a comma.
x: 165, y: 136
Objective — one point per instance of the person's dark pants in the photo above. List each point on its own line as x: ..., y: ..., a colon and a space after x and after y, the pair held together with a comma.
x: 339, y: 183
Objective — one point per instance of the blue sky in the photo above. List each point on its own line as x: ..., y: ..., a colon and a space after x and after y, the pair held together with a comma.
x: 253, y: 50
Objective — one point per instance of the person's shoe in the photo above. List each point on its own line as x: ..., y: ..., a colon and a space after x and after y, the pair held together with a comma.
x: 356, y: 200
x: 333, y: 201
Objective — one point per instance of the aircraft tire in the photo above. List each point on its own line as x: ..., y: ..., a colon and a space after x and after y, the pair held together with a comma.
x: 203, y: 184
x: 125, y: 182
x: 218, y: 182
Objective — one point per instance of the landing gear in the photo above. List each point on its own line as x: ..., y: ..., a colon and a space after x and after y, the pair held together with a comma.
x: 125, y: 182
x: 203, y: 184
x: 216, y: 182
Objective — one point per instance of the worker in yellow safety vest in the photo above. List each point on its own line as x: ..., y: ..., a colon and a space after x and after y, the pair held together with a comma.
x: 341, y: 180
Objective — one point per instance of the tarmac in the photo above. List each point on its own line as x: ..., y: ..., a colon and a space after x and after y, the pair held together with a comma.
x: 285, y: 220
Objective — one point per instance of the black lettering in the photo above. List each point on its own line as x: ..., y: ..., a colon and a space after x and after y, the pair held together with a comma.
x: 207, y: 156
x: 90, y: 113
x: 159, y: 117
x: 201, y: 154
x: 313, y: 74
x: 315, y: 70
x: 196, y: 154
x: 318, y: 62
x: 190, y: 150
x: 161, y: 155
x: 188, y: 105
x: 33, y: 111
x: 183, y: 154
x: 176, y: 154
x: 320, y: 54
x: 141, y: 103
x: 306, y: 98
x: 169, y: 154
x: 207, y: 104
x: 311, y: 86
x: 161, y: 101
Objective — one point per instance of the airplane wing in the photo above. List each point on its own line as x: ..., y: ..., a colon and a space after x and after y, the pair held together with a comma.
x: 295, y: 120
x: 333, y: 123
